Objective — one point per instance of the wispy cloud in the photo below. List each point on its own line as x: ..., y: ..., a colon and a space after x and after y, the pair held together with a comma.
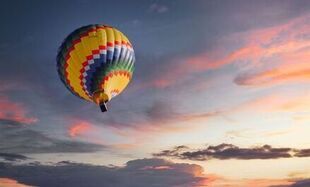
x: 12, y: 157
x: 163, y: 113
x: 296, y: 69
x: 159, y: 118
x: 263, y: 55
x: 276, y: 102
x: 283, y: 54
x: 13, y: 111
x: 220, y: 181
x: 78, y: 128
x: 7, y: 182
x: 158, y: 8
x: 22, y: 139
x: 229, y: 151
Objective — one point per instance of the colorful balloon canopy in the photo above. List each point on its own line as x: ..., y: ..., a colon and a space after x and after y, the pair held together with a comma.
x: 96, y: 63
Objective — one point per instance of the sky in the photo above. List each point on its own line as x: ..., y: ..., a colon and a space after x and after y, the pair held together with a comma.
x: 220, y: 96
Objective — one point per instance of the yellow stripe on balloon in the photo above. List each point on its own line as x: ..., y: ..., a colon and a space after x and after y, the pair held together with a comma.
x: 116, y: 82
x: 117, y: 36
x: 101, y: 36
x: 84, y: 49
x: 125, y: 39
x: 110, y: 35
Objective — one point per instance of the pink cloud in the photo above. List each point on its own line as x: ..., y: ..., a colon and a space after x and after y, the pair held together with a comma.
x: 294, y: 66
x: 6, y: 182
x: 288, y: 42
x: 14, y: 111
x: 276, y: 102
x: 274, y: 76
x: 78, y: 128
x: 265, y: 182
x: 220, y: 181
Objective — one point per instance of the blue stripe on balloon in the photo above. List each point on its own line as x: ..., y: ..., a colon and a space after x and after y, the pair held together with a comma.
x: 110, y: 55
x: 98, y: 62
x: 116, y: 54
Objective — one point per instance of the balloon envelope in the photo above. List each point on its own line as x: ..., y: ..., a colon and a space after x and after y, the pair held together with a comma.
x: 96, y: 63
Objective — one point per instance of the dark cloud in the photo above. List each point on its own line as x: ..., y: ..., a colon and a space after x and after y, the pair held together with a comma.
x: 229, y: 151
x: 160, y: 110
x: 136, y: 173
x: 303, y: 153
x: 12, y: 157
x: 18, y: 138
x: 296, y: 183
x: 10, y: 123
x: 301, y: 183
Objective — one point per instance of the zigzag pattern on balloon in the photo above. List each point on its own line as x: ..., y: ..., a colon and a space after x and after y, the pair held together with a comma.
x: 89, y: 54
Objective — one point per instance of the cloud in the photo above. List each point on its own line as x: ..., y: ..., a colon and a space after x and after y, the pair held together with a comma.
x: 22, y: 139
x: 136, y: 173
x: 160, y: 117
x: 79, y: 127
x: 220, y: 181
x: 302, y: 182
x: 303, y: 153
x: 14, y: 112
x: 6, y: 182
x: 262, y: 56
x: 275, y: 102
x: 158, y: 8
x: 229, y: 151
x: 284, y: 73
x: 163, y: 112
x: 12, y: 157
x: 284, y: 55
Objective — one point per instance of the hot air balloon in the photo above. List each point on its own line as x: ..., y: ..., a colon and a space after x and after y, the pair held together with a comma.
x: 96, y: 63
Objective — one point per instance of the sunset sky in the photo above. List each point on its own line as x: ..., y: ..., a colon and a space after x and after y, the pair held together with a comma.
x: 220, y: 96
